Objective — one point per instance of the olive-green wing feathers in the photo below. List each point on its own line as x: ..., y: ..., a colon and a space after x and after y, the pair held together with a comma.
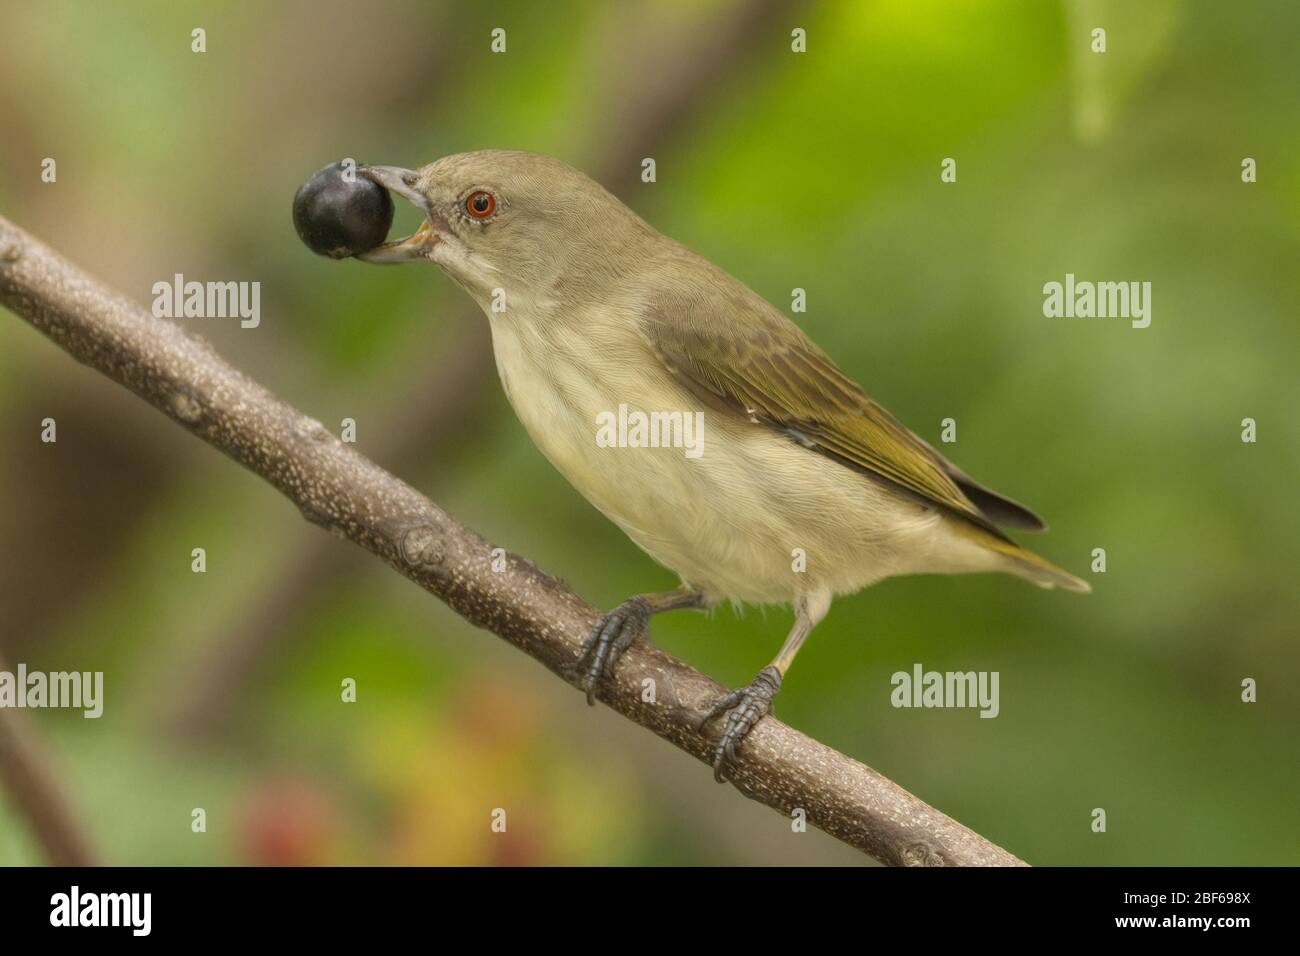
x: 746, y: 358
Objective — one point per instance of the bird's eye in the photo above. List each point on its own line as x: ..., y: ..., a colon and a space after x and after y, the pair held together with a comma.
x: 480, y: 205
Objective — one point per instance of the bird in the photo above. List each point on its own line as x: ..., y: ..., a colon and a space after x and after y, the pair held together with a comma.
x: 803, y: 487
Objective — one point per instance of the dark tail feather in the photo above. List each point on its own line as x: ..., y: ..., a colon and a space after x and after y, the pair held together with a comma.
x: 1001, y: 511
x: 995, y: 507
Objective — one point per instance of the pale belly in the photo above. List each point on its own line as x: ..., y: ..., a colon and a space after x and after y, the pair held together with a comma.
x: 753, y: 518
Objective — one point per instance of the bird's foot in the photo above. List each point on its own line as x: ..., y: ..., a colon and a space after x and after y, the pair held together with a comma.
x: 745, y: 708
x: 611, y: 636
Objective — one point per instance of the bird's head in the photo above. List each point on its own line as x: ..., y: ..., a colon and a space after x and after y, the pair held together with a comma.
x: 507, y: 219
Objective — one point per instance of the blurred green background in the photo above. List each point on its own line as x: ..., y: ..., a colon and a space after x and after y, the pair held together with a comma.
x: 818, y: 171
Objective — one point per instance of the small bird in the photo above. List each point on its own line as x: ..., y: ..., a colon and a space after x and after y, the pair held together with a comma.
x: 802, y: 488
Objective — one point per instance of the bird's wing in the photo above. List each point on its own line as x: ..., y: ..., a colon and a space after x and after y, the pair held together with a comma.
x: 738, y: 354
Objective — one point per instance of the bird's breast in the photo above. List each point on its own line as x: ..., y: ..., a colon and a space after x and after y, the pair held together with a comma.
x: 737, y: 519
x: 583, y: 391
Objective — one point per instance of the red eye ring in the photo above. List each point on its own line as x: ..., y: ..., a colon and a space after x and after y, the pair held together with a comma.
x: 481, y: 204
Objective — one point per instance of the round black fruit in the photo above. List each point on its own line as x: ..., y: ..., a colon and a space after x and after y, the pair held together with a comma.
x: 340, y: 215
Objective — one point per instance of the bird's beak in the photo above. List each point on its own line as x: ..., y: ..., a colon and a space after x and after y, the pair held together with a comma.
x: 413, y: 247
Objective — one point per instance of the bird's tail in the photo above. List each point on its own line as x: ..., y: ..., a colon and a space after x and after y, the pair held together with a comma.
x: 1042, y: 572
x: 1026, y: 564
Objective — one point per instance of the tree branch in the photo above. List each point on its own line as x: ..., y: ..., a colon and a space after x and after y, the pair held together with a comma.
x: 36, y: 793
x: 339, y: 489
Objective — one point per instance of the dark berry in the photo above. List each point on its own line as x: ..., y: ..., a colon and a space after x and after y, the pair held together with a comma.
x: 338, y: 218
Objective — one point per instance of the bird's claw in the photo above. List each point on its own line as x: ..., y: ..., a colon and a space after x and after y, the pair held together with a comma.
x: 745, y: 708
x: 608, y: 640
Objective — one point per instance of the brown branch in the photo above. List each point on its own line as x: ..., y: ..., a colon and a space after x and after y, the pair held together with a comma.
x: 337, y: 488
x: 36, y: 793
x: 430, y: 417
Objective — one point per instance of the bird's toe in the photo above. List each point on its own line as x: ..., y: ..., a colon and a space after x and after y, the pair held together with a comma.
x: 607, y: 641
x: 744, y: 709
